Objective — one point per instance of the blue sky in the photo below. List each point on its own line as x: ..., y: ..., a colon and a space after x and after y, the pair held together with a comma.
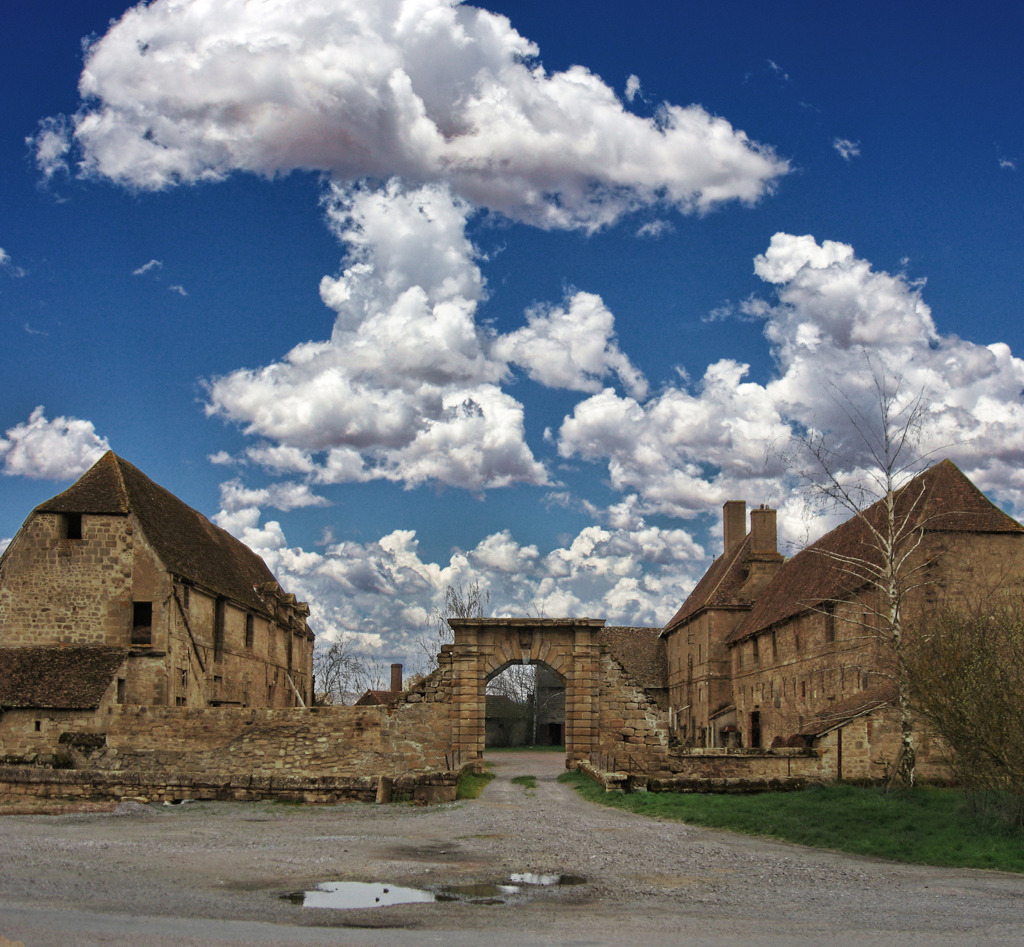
x: 418, y: 295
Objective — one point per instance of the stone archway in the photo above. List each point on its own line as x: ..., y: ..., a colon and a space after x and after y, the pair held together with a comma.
x: 484, y: 647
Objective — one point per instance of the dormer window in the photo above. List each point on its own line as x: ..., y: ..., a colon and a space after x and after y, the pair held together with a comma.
x: 71, y: 526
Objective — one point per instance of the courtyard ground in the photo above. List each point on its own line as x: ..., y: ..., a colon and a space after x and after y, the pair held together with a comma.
x: 219, y: 874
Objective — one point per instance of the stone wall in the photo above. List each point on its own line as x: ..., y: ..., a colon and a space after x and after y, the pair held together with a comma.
x: 322, y: 754
x: 151, y: 787
x: 67, y: 591
x: 632, y: 729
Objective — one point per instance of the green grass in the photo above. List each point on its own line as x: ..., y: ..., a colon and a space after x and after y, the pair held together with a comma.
x: 472, y: 784
x: 533, y: 748
x: 925, y: 826
x: 527, y: 782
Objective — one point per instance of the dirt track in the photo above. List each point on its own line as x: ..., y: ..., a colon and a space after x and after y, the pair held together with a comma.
x: 214, y: 873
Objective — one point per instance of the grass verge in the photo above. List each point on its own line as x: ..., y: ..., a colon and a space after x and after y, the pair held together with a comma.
x: 925, y: 826
x: 472, y: 784
x: 527, y: 782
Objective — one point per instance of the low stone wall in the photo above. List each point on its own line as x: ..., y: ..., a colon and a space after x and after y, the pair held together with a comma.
x: 716, y: 770
x: 155, y: 787
x: 319, y: 754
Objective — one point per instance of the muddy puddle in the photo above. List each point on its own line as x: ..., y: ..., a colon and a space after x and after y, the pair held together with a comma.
x: 349, y: 895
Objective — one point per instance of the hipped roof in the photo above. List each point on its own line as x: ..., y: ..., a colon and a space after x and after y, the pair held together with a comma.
x: 941, y: 499
x: 719, y: 587
x: 188, y: 544
x: 55, y: 678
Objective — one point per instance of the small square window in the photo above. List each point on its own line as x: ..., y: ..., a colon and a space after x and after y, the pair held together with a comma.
x: 71, y: 526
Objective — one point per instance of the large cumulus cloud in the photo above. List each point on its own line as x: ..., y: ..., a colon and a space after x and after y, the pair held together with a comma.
x: 409, y: 386
x: 427, y: 90
x: 835, y: 325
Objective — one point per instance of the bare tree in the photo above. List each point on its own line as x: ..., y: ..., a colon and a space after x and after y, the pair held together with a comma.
x: 460, y: 601
x: 341, y: 673
x: 521, y: 685
x: 865, y: 472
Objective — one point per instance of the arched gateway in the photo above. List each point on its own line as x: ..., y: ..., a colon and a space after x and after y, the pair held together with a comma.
x: 484, y: 647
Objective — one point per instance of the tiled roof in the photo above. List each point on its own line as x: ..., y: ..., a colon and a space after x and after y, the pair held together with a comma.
x: 845, y: 710
x: 57, y: 678
x: 640, y: 651
x: 374, y: 697
x: 188, y: 544
x: 719, y: 587
x: 941, y: 499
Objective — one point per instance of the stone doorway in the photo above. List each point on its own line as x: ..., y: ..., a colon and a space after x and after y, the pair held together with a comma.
x: 484, y: 647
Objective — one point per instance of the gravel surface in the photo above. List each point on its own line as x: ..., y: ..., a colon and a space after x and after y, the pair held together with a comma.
x: 217, y: 873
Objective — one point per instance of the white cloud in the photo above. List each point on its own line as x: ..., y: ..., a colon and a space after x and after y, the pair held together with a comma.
x: 180, y: 290
x: 61, y: 449
x: 1007, y: 164
x: 406, y: 389
x: 632, y: 88
x: 7, y: 265
x: 685, y: 451
x: 51, y: 145
x: 146, y: 267
x: 846, y: 149
x: 386, y: 592
x: 234, y: 496
x: 429, y: 90
x: 572, y: 348
x: 655, y: 228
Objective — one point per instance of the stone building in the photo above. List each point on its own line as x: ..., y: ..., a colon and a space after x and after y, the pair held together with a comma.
x: 116, y: 592
x: 768, y: 651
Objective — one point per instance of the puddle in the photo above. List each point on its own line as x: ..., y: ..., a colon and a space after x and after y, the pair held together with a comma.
x: 349, y: 895
x: 528, y: 878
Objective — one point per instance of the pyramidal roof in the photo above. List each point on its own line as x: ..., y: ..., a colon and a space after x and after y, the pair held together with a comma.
x: 939, y: 500
x: 188, y: 544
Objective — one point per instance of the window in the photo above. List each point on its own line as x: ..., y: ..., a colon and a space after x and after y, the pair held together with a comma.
x: 290, y: 649
x: 803, y: 689
x: 218, y: 629
x: 250, y: 631
x: 142, y: 623
x: 71, y: 526
x: 184, y: 596
x: 775, y: 646
x: 830, y: 623
x: 120, y: 690
x: 183, y: 678
x: 755, y: 650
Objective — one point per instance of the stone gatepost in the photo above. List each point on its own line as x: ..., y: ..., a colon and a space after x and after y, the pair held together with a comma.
x: 582, y: 697
x: 469, y: 705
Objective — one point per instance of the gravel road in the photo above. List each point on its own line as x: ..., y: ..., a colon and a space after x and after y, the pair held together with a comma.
x: 216, y: 874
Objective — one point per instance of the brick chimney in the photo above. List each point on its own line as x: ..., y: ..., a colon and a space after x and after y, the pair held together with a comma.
x: 396, y: 678
x: 734, y: 521
x: 763, y: 533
